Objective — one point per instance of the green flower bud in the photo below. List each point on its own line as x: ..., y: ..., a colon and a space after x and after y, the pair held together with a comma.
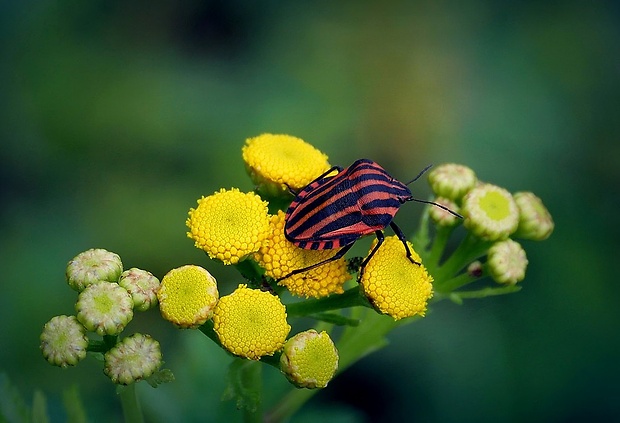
x: 475, y: 269
x: 442, y: 217
x: 535, y: 221
x: 142, y: 286
x: 490, y: 212
x: 309, y: 359
x: 135, y: 358
x: 92, y: 266
x: 451, y: 180
x: 105, y: 308
x: 507, y: 262
x: 64, y: 341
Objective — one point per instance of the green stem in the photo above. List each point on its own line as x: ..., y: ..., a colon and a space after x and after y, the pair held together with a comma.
x: 350, y: 298
x: 454, y: 283
x: 353, y: 345
x: 489, y: 292
x: 468, y: 250
x: 291, y: 402
x: 129, y: 401
x: 207, y: 329
x: 249, y: 270
x: 439, y: 245
x: 251, y: 377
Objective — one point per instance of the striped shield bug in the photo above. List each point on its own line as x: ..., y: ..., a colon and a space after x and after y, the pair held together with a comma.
x: 334, y: 211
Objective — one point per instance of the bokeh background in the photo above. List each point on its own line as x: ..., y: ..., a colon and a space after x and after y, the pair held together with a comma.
x: 115, y: 116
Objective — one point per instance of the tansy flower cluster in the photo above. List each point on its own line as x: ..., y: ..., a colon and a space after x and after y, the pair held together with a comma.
x: 396, y: 279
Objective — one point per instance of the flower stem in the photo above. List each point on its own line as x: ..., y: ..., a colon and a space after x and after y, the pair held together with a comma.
x: 439, y: 245
x: 468, y: 250
x: 489, y: 292
x: 350, y: 298
x: 291, y: 402
x: 132, y: 411
x: 455, y: 283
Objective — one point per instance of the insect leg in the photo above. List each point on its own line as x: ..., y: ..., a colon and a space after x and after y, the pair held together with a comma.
x: 380, y: 239
x: 335, y: 257
x: 399, y: 233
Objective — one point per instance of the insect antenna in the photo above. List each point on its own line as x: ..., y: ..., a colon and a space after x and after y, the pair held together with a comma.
x: 419, y: 174
x: 436, y: 204
x: 430, y: 202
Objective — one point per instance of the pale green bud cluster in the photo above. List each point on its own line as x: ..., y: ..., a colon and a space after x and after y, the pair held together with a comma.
x: 107, y: 298
x: 493, y: 217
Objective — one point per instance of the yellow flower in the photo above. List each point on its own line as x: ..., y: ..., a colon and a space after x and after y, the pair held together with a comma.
x: 279, y: 257
x: 187, y: 296
x: 229, y: 224
x: 251, y: 323
x: 277, y: 161
x: 393, y: 284
x: 309, y: 359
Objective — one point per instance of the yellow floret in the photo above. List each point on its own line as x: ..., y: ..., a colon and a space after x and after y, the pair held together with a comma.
x: 187, y: 296
x: 393, y: 284
x: 229, y: 224
x: 251, y: 323
x: 279, y: 257
x: 279, y: 162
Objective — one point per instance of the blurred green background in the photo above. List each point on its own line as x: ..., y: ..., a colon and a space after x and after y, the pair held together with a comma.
x: 117, y: 115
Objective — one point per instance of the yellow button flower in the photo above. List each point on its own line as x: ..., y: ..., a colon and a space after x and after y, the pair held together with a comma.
x: 393, y: 284
x: 279, y: 257
x: 309, y: 359
x: 229, y: 224
x: 251, y: 323
x: 187, y: 296
x: 277, y: 161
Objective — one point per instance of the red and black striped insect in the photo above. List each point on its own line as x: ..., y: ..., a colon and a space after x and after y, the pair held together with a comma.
x: 335, y: 211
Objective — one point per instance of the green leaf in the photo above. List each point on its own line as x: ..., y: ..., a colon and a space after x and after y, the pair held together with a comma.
x: 244, y: 385
x: 39, y: 408
x: 76, y: 412
x: 159, y: 377
x: 13, y: 409
x: 370, y: 336
x: 487, y: 292
x: 335, y: 318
